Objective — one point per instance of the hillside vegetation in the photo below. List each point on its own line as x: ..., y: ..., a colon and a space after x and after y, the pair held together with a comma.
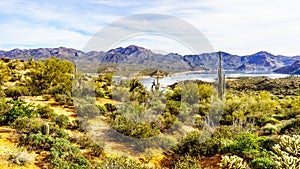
x: 45, y: 123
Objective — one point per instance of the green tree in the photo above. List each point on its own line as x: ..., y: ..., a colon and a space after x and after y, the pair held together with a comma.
x: 52, y: 76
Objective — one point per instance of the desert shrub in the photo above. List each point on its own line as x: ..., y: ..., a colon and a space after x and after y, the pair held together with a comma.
x: 37, y: 141
x: 173, y: 107
x: 110, y: 107
x: 56, y: 131
x: 270, y: 129
x: 28, y: 125
x: 131, y: 128
x: 121, y: 162
x: 15, y: 110
x: 45, y: 111
x: 187, y: 162
x: 99, y: 93
x: 16, y: 92
x: 120, y: 94
x: 293, y: 127
x: 87, y: 110
x: 270, y: 120
x: 61, y: 120
x: 46, y: 97
x: 73, y: 125
x: 63, y: 155
x: 61, y: 99
x: 198, y: 144
x: 247, y: 146
x: 267, y: 142
x: 262, y: 163
x: 84, y: 142
x: 102, y: 109
x: 232, y: 162
x: 20, y: 157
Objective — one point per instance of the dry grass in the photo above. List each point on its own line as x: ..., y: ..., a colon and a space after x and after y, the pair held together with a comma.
x: 6, y: 146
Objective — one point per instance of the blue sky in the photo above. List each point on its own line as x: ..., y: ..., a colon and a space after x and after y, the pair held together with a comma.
x: 235, y: 26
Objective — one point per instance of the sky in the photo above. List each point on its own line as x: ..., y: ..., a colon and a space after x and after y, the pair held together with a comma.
x: 239, y: 27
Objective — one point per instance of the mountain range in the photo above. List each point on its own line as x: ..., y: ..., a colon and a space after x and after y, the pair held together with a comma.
x: 135, y: 55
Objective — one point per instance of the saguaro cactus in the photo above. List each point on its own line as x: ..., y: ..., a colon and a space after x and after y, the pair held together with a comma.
x: 45, y: 129
x: 221, y: 78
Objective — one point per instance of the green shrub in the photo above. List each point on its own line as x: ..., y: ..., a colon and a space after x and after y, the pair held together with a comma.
x: 28, y: 125
x: 61, y: 99
x: 199, y: 144
x: 292, y: 127
x: 37, y: 141
x: 262, y: 163
x: 17, y: 109
x: 87, y: 111
x: 46, y: 97
x: 16, y: 92
x: 270, y: 120
x: 247, y: 146
x: 187, y: 162
x: 45, y: 111
x: 61, y: 120
x: 270, y: 129
x: 63, y: 155
x: 122, y: 162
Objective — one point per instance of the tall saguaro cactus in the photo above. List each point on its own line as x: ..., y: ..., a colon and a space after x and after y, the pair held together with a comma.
x: 221, y: 78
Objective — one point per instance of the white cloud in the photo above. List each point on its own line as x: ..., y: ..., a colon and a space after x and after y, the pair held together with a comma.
x: 235, y: 26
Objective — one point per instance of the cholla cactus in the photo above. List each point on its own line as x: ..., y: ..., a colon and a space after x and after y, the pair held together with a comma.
x: 288, y: 152
x: 232, y: 162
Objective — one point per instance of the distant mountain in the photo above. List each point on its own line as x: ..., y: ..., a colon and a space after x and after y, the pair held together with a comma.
x: 293, y: 69
x: 135, y: 55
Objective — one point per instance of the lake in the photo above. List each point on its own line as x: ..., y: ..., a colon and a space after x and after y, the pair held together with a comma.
x: 208, y: 77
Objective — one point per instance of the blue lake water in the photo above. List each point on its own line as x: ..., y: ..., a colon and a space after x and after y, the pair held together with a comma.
x: 208, y: 77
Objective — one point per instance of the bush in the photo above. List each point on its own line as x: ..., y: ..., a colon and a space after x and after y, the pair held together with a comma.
x: 199, y: 144
x: 61, y: 99
x: 63, y: 155
x: 247, y: 146
x: 262, y: 163
x: 46, y: 97
x: 61, y: 120
x: 17, y: 109
x: 291, y: 128
x: 45, y: 111
x: 270, y: 129
x: 37, y: 141
x: 28, y: 125
x: 187, y: 162
x: 16, y: 92
x: 122, y: 162
x: 87, y: 111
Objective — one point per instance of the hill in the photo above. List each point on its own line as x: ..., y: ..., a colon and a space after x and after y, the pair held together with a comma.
x: 139, y: 57
x: 293, y: 69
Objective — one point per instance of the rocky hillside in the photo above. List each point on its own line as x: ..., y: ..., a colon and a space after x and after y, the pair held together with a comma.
x: 135, y: 55
x: 293, y: 69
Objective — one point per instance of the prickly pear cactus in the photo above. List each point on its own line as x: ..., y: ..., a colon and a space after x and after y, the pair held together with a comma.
x: 232, y: 162
x: 288, y: 152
